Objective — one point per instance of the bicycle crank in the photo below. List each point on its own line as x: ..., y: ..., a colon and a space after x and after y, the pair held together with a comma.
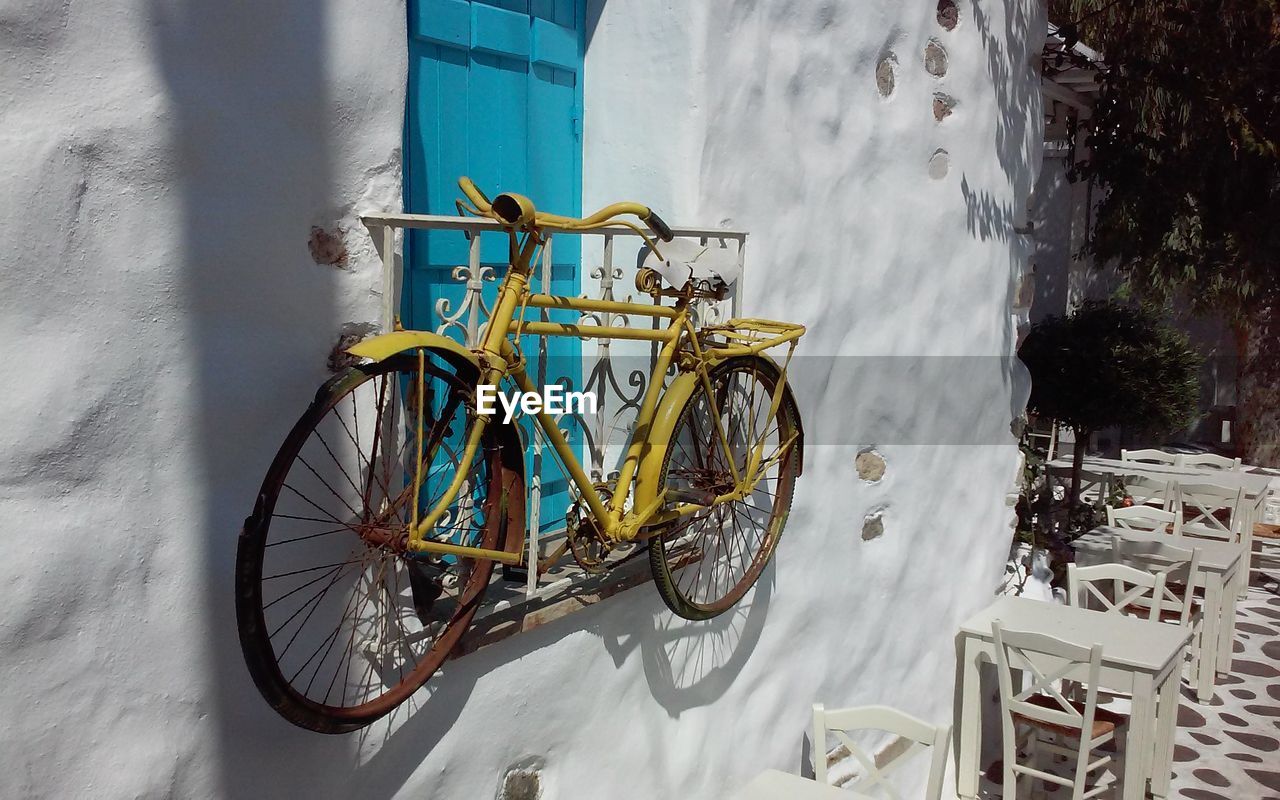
x: 587, y: 541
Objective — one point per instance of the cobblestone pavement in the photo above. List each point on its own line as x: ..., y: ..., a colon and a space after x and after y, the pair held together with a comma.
x: 1229, y: 748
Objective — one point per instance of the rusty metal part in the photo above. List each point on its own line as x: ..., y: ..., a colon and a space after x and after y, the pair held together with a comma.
x: 385, y: 537
x: 590, y: 547
x: 648, y: 281
x: 587, y: 541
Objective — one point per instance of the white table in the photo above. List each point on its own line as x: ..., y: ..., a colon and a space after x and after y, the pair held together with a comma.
x: 1220, y: 574
x: 773, y: 784
x: 1256, y: 487
x: 1139, y: 657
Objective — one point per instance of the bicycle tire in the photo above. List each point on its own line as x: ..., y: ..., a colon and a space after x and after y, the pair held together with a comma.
x: 298, y: 705
x: 671, y: 549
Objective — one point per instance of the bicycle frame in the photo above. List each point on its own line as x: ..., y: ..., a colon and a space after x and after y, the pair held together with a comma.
x: 499, y: 358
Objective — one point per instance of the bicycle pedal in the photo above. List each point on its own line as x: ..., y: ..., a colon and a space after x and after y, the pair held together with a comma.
x: 515, y: 574
x: 426, y: 583
x: 701, y: 497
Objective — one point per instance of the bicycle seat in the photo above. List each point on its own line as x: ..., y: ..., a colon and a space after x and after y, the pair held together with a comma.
x: 685, y: 260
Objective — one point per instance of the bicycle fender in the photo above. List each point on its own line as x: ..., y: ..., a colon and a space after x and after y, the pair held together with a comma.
x: 383, y: 346
x: 506, y: 511
x: 649, y: 469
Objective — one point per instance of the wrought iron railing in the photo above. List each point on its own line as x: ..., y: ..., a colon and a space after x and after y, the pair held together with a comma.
x: 618, y: 395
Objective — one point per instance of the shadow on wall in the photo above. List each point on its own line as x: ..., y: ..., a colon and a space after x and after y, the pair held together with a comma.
x: 248, y: 96
x: 1052, y: 218
x: 1019, y: 125
x: 690, y: 664
x: 1019, y: 136
x: 686, y: 665
x: 1016, y: 81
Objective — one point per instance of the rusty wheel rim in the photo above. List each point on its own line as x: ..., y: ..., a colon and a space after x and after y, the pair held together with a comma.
x: 338, y: 621
x: 716, y: 555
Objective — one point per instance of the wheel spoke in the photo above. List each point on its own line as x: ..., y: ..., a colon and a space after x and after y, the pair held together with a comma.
x: 730, y: 541
x: 323, y: 610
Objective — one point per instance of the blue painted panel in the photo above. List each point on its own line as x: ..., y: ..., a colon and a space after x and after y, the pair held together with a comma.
x: 555, y: 45
x: 446, y: 22
x: 561, y: 12
x: 498, y: 31
x: 511, y: 5
x: 495, y: 92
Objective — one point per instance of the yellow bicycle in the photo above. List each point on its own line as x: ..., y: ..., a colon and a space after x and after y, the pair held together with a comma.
x: 377, y: 527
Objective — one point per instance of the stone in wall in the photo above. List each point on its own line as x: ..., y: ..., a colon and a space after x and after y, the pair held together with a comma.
x: 948, y: 14
x: 351, y: 334
x: 870, y: 465
x: 935, y: 59
x: 873, y: 525
x: 522, y: 781
x: 943, y: 105
x: 328, y: 248
x: 885, y: 75
x: 939, y: 164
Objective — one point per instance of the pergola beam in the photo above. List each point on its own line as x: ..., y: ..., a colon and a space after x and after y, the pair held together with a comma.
x: 1066, y: 96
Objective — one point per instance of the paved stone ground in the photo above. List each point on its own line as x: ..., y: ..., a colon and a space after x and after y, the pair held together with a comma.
x: 1228, y: 749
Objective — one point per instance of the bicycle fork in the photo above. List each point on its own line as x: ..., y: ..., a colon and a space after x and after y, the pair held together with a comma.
x: 419, y: 528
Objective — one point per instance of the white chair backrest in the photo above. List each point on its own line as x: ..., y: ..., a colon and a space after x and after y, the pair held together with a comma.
x: 1148, y: 491
x: 1030, y: 651
x: 1131, y: 589
x: 923, y: 735
x: 1176, y: 564
x: 1209, y: 511
x: 1212, y: 461
x: 1151, y: 456
x: 1092, y: 484
x: 1096, y: 484
x: 1146, y: 519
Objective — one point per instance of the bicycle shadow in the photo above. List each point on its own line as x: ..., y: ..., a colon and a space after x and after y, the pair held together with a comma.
x: 686, y: 665
x: 692, y: 663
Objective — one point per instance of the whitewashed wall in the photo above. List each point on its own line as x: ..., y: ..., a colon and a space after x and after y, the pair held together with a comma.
x: 163, y: 165
x: 851, y: 235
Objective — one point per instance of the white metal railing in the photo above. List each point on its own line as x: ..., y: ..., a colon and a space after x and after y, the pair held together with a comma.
x: 616, y: 406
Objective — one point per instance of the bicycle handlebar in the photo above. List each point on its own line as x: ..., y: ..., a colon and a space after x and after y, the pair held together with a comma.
x: 659, y: 228
x: 518, y: 210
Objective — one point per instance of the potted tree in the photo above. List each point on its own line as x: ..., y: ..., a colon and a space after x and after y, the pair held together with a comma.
x: 1108, y: 364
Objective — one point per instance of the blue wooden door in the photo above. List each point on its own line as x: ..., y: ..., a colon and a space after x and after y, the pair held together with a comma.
x: 495, y: 93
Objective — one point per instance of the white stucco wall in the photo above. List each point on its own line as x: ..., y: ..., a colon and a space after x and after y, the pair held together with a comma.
x: 163, y: 165
x: 850, y: 235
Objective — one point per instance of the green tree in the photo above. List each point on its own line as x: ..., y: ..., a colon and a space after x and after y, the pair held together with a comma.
x: 1106, y: 365
x: 1184, y: 142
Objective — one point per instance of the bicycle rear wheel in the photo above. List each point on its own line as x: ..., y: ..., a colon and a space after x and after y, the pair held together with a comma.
x: 705, y: 562
x: 338, y: 622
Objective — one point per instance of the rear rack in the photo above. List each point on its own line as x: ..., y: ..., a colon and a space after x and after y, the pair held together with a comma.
x: 747, y: 336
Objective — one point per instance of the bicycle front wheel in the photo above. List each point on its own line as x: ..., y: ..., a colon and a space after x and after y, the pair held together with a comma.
x: 705, y: 562
x: 338, y: 622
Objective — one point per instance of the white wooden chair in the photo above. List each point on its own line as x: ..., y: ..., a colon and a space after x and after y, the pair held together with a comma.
x: 922, y: 735
x: 1145, y: 519
x: 1124, y: 589
x: 1211, y: 461
x: 1044, y: 709
x: 1209, y: 511
x: 1178, y: 602
x: 1151, y: 457
x: 1045, y: 430
x: 1148, y: 491
x: 1266, y: 549
x: 1093, y: 485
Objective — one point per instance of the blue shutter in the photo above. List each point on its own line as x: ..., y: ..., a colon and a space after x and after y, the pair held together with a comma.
x: 495, y: 92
